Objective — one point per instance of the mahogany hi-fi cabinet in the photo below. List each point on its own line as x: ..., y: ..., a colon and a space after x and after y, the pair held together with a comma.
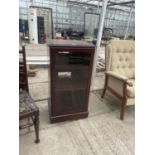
x: 70, y: 73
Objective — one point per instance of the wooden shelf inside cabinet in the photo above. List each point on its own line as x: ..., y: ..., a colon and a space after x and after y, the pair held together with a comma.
x: 70, y: 72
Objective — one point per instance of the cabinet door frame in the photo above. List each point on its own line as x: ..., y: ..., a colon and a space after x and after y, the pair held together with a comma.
x: 53, y: 52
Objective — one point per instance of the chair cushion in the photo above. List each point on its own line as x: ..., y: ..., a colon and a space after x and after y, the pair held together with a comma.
x: 131, y: 90
x: 26, y: 104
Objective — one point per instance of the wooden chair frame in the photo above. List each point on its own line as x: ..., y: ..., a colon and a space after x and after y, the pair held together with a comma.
x: 123, y: 98
x: 34, y: 112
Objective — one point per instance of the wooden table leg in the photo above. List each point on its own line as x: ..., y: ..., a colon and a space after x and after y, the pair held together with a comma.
x: 36, y: 126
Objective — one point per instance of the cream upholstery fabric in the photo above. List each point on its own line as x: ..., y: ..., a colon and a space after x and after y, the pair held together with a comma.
x: 131, y: 90
x: 116, y: 85
x: 117, y: 75
x: 130, y: 101
x: 121, y: 57
x: 120, y: 66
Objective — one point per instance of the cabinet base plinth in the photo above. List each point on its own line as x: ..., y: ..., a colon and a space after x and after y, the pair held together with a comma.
x: 61, y: 118
x: 66, y: 117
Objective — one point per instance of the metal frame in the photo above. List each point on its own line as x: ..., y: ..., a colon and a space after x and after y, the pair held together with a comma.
x: 99, y: 36
x: 121, y: 3
x: 127, y: 28
x: 65, y: 7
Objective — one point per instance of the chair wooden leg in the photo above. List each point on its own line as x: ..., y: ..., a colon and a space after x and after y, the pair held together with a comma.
x: 123, y: 105
x: 105, y: 87
x: 29, y: 121
x: 36, y: 126
x: 103, y: 93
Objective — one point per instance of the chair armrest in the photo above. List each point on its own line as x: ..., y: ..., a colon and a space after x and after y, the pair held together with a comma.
x: 116, y: 75
x: 130, y: 84
x: 120, y: 77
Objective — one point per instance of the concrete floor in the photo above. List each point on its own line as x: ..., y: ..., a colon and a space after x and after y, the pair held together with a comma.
x: 102, y: 133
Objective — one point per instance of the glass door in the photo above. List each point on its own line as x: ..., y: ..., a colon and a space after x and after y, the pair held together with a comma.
x: 71, y: 73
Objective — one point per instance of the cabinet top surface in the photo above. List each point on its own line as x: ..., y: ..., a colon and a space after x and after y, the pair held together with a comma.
x: 69, y: 43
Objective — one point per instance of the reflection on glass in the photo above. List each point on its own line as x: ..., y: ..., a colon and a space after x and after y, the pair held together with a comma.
x: 70, y: 78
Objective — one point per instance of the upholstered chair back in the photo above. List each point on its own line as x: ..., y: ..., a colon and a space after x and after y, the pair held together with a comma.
x: 120, y: 57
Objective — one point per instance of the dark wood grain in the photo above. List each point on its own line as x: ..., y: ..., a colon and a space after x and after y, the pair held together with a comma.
x: 64, y: 107
x: 69, y: 43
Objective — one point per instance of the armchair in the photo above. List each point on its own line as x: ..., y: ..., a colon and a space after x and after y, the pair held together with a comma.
x: 120, y: 72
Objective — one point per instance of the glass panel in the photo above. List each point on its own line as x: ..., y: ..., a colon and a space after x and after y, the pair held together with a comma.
x: 70, y: 79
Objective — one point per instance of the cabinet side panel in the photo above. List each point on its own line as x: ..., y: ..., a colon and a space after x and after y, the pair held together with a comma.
x: 89, y: 77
